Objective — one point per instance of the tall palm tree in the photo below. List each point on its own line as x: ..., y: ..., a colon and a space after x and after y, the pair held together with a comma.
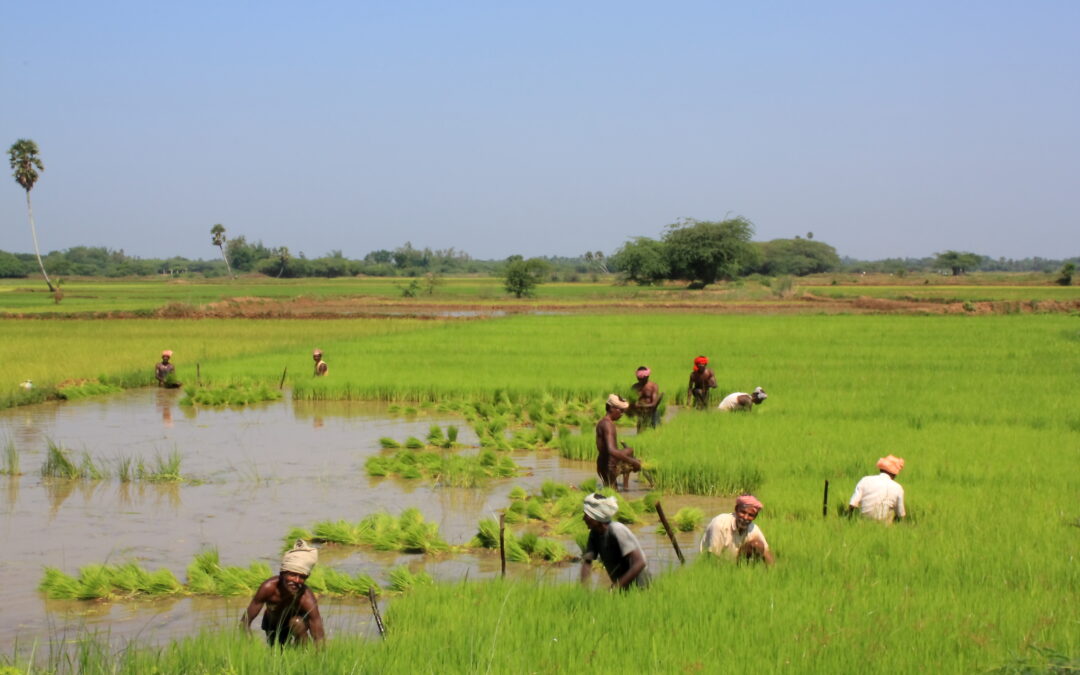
x: 25, y: 163
x: 283, y: 257
x: 217, y: 234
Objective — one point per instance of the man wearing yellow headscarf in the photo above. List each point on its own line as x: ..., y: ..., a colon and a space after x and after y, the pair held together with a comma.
x: 291, y: 609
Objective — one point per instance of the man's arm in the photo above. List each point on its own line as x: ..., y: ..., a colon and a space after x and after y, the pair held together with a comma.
x: 637, y: 563
x: 710, y: 381
x: 586, y: 566
x: 314, y: 619
x: 257, y: 601
x: 613, y: 447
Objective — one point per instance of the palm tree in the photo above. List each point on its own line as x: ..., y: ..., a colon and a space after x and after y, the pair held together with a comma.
x: 26, y: 164
x: 217, y: 234
x: 283, y: 258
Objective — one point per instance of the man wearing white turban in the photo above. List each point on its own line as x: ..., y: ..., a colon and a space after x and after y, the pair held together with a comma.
x: 291, y: 608
x: 613, y: 543
x: 611, y: 460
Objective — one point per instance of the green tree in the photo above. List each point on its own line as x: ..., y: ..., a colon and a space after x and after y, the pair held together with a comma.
x: 704, y: 251
x: 958, y: 262
x: 283, y: 256
x: 641, y: 261
x: 1066, y: 274
x: 797, y: 256
x: 523, y: 276
x: 217, y: 238
x: 25, y: 163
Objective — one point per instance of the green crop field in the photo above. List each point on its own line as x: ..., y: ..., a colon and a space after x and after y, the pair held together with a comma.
x: 984, y: 575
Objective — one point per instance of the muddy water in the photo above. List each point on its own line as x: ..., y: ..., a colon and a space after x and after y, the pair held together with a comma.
x: 251, y: 475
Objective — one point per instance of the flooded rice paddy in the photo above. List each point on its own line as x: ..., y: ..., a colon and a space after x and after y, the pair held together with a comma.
x: 250, y: 475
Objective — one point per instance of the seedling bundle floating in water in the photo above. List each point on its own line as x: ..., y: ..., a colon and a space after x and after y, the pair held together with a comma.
x: 234, y: 394
x: 445, y: 468
x: 408, y: 533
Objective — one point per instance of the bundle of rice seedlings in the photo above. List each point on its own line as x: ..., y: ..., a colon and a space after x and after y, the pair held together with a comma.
x: 388, y: 443
x: 58, y: 586
x: 162, y: 582
x: 88, y: 469
x: 688, y: 518
x: 336, y: 532
x: 571, y: 526
x: 517, y: 493
x: 535, y: 509
x: 11, y: 459
x: 414, y: 443
x: 487, y: 534
x: 550, y: 550
x: 451, y: 435
x: 94, y: 583
x: 551, y: 490
x: 378, y: 466
x: 515, y: 552
x: 648, y: 502
x: 527, y: 541
x: 166, y: 469
x: 402, y: 580
x: 330, y: 581
x: 422, y: 538
x: 435, y: 436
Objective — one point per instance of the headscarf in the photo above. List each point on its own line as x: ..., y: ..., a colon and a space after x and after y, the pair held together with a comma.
x: 167, y: 352
x: 601, y: 508
x: 749, y: 500
x: 300, y: 558
x: 701, y: 361
x: 616, y: 401
x: 317, y: 352
x: 891, y: 464
x: 760, y: 394
x: 643, y: 371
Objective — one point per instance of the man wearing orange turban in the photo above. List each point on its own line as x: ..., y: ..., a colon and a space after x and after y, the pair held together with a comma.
x: 163, y: 370
x: 734, y: 535
x: 880, y: 497
x: 646, y: 408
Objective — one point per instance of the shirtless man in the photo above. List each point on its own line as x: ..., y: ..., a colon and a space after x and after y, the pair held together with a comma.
x: 702, y: 381
x: 610, y: 459
x: 645, y: 409
x: 291, y: 608
x: 164, y: 369
x: 741, y: 401
x: 320, y: 365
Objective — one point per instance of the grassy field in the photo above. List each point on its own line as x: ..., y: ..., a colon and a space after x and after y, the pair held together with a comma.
x: 984, y: 575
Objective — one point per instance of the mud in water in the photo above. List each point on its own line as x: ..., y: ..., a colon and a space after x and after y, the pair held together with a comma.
x: 250, y: 475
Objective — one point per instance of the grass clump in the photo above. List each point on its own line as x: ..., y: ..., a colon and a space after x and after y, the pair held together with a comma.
x: 10, y: 466
x: 58, y: 464
x: 74, y: 390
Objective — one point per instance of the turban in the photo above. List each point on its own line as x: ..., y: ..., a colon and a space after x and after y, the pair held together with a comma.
x: 760, y: 393
x: 616, y: 401
x: 748, y: 500
x: 317, y: 352
x: 300, y: 558
x: 701, y: 361
x: 601, y: 508
x: 891, y: 464
x: 643, y: 371
x: 167, y: 352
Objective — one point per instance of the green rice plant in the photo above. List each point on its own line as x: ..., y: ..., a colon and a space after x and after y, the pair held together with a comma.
x: 88, y: 469
x: 451, y: 435
x: 235, y: 394
x: 166, y: 469
x: 100, y: 582
x: 329, y: 581
x: 517, y: 493
x: 388, y: 443
x: 414, y: 443
x: 125, y: 469
x: 550, y: 551
x: 487, y: 534
x: 58, y: 464
x: 11, y: 459
x: 435, y: 436
x: 408, y: 532
x: 551, y: 490
x: 82, y: 389
x: 688, y: 519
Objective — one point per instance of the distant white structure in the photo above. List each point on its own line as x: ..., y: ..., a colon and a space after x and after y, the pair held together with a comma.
x: 26, y: 385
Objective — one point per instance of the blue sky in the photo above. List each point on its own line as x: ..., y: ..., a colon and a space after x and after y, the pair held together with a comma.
x: 886, y: 129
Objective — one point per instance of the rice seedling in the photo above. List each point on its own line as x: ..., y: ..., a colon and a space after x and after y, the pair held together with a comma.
x: 388, y: 443
x: 235, y: 394
x: 102, y: 582
x: 88, y: 469
x: 11, y: 459
x: 444, y: 468
x: 408, y: 532
x: 125, y: 468
x: 166, y: 469
x: 402, y: 579
x: 82, y: 389
x: 686, y: 519
x: 58, y: 464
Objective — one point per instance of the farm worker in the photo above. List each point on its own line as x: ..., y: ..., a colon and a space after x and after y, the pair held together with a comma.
x: 702, y: 380
x: 648, y: 402
x: 320, y: 365
x: 880, y: 497
x: 743, y: 401
x: 164, y: 369
x: 611, y: 461
x: 291, y: 608
x: 614, y: 544
x: 734, y: 535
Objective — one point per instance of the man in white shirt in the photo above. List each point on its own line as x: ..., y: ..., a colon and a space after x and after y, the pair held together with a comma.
x: 743, y: 401
x: 880, y: 497
x: 734, y: 535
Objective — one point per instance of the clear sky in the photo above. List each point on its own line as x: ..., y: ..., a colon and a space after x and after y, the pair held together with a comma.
x: 544, y: 128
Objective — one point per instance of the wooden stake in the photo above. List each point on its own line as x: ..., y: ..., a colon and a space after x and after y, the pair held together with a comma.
x: 375, y: 611
x: 670, y: 533
x: 198, y: 375
x: 282, y: 384
x: 502, y: 542
x: 825, y: 500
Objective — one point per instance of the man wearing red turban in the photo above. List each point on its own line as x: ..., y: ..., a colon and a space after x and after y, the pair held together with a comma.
x: 702, y: 381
